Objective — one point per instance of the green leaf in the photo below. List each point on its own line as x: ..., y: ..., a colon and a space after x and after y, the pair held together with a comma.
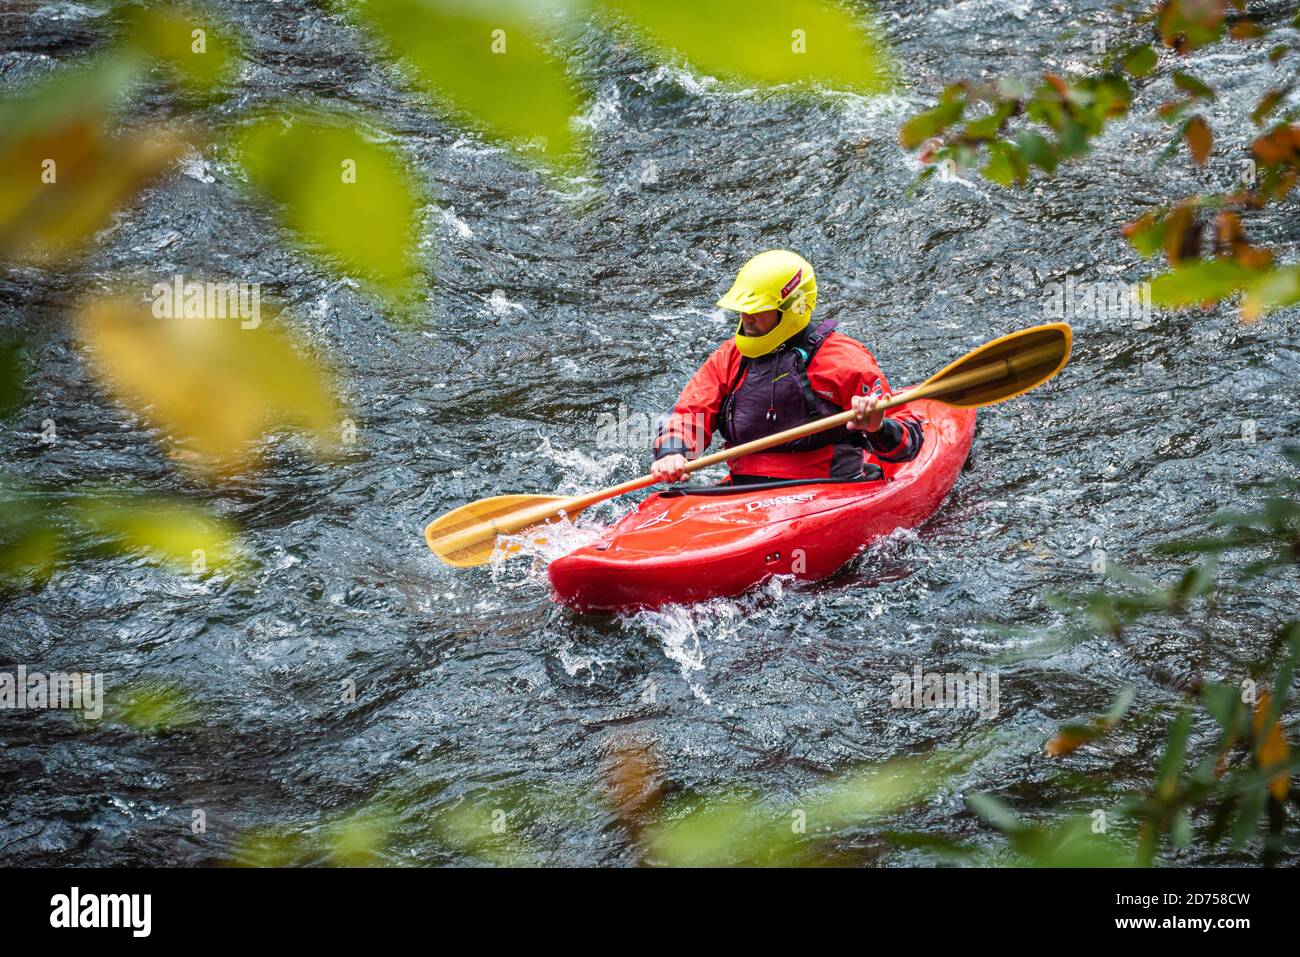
x: 995, y: 811
x: 1147, y: 235
x: 1071, y: 844
x: 1171, y: 764
x: 1196, y: 581
x: 1119, y: 707
x: 13, y: 370
x: 1223, y: 702
x: 1276, y: 289
x: 1140, y: 60
x: 271, y: 847
x: 807, y: 43
x: 488, y: 62
x: 722, y: 832
x: 1005, y: 165
x: 1073, y: 140
x: 1037, y: 150
x: 921, y: 127
x: 1191, y: 85
x: 1202, y: 280
x: 151, y: 706
x: 987, y: 127
x: 1285, y: 676
x: 1266, y: 105
x: 343, y: 193
x: 359, y: 839
x: 1247, y: 823
x: 29, y: 555
x: 1180, y: 832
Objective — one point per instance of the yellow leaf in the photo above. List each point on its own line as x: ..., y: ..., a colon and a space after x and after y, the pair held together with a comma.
x: 1273, y: 750
x: 487, y: 61
x: 210, y: 383
x: 59, y: 183
x: 342, y: 193
x: 185, y: 39
x: 181, y: 536
x: 809, y: 43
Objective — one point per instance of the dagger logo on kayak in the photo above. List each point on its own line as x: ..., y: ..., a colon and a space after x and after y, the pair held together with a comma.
x: 781, y: 500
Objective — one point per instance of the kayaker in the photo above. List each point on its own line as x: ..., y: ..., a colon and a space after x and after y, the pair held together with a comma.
x: 779, y: 372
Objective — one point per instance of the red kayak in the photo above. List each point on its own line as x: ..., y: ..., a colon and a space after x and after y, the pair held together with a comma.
x: 687, y: 545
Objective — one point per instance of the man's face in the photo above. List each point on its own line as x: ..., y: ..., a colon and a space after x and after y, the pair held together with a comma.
x: 759, y: 323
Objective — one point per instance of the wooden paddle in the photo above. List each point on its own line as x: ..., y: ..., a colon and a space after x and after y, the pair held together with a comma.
x: 1000, y: 370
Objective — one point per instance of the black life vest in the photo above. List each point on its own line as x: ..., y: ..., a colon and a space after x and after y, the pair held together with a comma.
x: 772, y: 393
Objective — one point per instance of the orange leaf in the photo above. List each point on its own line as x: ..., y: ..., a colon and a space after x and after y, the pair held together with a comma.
x: 632, y: 784
x: 1199, y: 139
x: 1064, y: 743
x: 1273, y: 750
x: 1278, y: 146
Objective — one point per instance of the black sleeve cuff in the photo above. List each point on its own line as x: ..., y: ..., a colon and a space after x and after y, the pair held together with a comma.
x: 671, y: 447
x: 887, y: 438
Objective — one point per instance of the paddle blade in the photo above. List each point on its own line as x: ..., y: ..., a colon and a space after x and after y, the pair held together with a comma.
x: 468, y: 536
x: 1002, y: 369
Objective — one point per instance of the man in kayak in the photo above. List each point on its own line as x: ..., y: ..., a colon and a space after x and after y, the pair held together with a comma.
x: 779, y: 372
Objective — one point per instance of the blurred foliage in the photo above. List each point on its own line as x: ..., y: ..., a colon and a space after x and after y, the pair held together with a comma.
x: 215, y: 386
x: 1072, y: 736
x: 198, y: 51
x: 31, y: 541
x: 13, y: 371
x: 341, y: 191
x: 1072, y: 843
x: 506, y: 825
x: 806, y: 43
x: 152, y: 707
x: 273, y: 846
x: 1000, y: 120
x: 1236, y: 782
x: 489, y: 62
x: 1070, y: 112
x: 706, y: 830
x: 180, y: 536
x: 42, y: 531
x: 62, y: 173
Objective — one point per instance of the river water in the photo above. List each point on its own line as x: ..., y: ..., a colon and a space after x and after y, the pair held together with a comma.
x: 557, y: 302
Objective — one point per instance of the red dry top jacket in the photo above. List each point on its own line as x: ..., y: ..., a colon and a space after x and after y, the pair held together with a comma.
x: 840, y: 369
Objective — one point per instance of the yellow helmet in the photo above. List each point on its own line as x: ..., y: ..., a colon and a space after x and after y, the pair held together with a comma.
x: 776, y: 279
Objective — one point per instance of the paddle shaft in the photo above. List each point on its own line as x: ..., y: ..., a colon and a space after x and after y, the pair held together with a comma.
x: 572, y: 506
x: 963, y: 380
